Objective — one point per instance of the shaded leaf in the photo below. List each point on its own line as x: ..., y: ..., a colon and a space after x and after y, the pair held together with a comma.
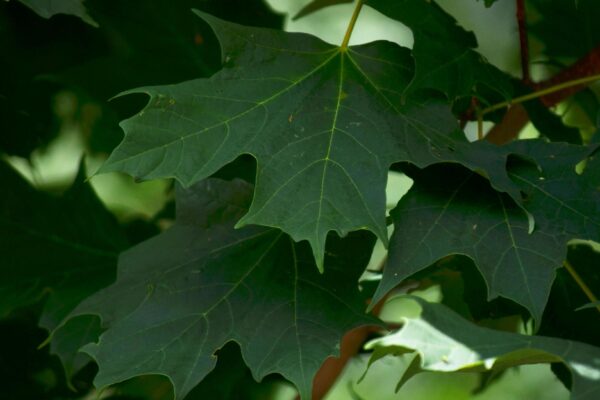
x: 36, y: 47
x: 443, y: 50
x: 230, y: 380
x: 231, y: 368
x: 66, y: 341
x: 557, y: 196
x: 452, y: 211
x: 563, y: 26
x: 323, y: 122
x: 182, y: 295
x: 63, y: 247
x: 48, y: 56
x: 560, y: 318
x: 551, y: 125
x: 49, y: 8
x: 26, y: 372
x: 447, y: 342
x: 316, y: 5
x: 594, y: 304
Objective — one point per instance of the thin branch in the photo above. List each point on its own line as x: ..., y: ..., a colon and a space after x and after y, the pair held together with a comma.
x: 350, y: 28
x: 542, y: 92
x: 588, y: 292
x: 516, y: 117
x: 523, y: 41
x: 535, y: 95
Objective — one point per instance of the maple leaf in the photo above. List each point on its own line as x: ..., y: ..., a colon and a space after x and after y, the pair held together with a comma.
x: 184, y: 294
x: 324, y: 123
x: 450, y: 210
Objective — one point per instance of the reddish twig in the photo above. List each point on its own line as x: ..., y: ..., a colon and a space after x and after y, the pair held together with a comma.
x: 585, y: 66
x: 523, y: 41
x: 332, y: 368
x: 516, y: 117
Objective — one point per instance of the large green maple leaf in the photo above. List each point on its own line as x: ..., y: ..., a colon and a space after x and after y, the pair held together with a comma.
x: 444, y: 341
x: 451, y: 210
x: 324, y: 123
x: 182, y: 295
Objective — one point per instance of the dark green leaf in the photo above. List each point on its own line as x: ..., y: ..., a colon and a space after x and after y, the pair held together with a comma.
x: 559, y: 318
x: 565, y: 27
x: 182, y: 295
x: 323, y: 122
x: 556, y: 195
x: 36, y: 47
x: 66, y: 341
x: 443, y: 51
x: 63, y: 247
x: 551, y: 125
x: 230, y: 380
x: 26, y: 372
x: 452, y: 211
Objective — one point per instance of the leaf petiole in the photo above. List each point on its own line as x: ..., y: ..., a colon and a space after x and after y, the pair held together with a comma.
x: 531, y: 96
x: 541, y: 93
x: 351, y: 25
x: 588, y: 292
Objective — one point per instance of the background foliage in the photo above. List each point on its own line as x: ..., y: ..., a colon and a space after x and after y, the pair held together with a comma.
x: 206, y: 205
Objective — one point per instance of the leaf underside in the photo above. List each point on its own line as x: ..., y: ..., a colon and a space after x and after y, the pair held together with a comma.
x: 447, y: 342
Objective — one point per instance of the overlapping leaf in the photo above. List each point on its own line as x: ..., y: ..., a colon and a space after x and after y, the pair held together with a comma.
x: 446, y: 342
x: 558, y: 197
x: 65, y: 247
x: 550, y: 124
x: 59, y: 248
x: 182, y: 295
x: 443, y: 51
x: 324, y: 123
x: 564, y: 27
x: 452, y: 211
x: 566, y: 314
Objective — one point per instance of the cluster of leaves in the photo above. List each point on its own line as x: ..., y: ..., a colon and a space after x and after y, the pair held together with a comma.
x: 280, y: 146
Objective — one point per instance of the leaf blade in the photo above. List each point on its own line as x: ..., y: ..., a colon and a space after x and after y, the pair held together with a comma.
x: 187, y: 292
